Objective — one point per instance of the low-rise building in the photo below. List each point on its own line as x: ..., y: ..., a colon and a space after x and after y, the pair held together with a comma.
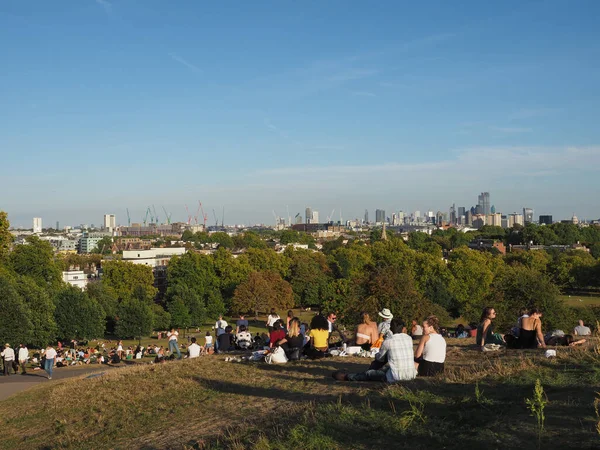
x: 154, y: 257
x: 75, y: 278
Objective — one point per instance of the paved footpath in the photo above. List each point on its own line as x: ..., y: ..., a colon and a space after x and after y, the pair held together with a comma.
x: 14, y: 384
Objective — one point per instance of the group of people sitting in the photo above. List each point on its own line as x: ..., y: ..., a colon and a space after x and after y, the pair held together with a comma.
x: 397, y: 360
x: 527, y: 334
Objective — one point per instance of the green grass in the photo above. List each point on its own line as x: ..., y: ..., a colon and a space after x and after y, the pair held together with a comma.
x: 210, y: 403
x: 580, y: 300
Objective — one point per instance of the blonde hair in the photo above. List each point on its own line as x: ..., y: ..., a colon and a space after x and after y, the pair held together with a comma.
x: 294, y: 329
x: 366, y: 318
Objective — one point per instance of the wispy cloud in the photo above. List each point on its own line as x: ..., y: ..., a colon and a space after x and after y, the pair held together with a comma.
x: 275, y: 129
x: 511, y: 130
x: 106, y: 5
x: 189, y: 65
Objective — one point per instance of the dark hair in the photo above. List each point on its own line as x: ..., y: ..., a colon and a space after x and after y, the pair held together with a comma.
x: 319, y: 322
x: 434, y: 322
x: 397, y: 326
x: 193, y: 340
x: 228, y: 329
x: 291, y: 314
x: 208, y: 333
x: 485, y: 314
x: 278, y: 324
x: 522, y: 311
x: 534, y: 310
x: 273, y: 311
x: 242, y: 327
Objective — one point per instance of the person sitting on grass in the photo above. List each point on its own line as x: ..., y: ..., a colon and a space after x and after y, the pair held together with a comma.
x: 530, y: 334
x: 114, y: 358
x: 319, y: 338
x: 193, y: 349
x: 293, y: 341
x: 243, y: 338
x: 366, y: 332
x: 431, y: 352
x: 225, y: 341
x: 485, y: 330
x: 416, y: 330
x: 582, y: 330
x: 277, y: 334
x: 395, y: 360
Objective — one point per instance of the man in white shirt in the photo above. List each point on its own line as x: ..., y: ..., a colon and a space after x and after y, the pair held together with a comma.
x: 9, y: 357
x: 23, y: 358
x: 582, y: 330
x: 220, y: 326
x: 193, y: 349
x: 173, y: 346
x: 397, y: 354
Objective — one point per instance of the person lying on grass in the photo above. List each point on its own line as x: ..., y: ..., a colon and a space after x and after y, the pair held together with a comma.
x: 431, y: 352
x: 564, y: 341
x: 394, y: 362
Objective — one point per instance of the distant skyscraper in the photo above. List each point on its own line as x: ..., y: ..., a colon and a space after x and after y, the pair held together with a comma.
x: 528, y: 215
x: 453, y: 214
x: 546, y: 220
x: 37, y: 224
x: 109, y: 222
x: 366, y: 216
x: 483, y: 203
x: 380, y: 215
x: 315, y: 217
x: 493, y: 209
x: 308, y: 215
x: 57, y: 226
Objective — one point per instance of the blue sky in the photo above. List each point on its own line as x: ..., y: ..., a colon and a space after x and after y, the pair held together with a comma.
x: 255, y: 106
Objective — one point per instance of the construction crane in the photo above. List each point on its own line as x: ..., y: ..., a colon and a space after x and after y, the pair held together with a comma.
x: 216, y: 220
x: 289, y: 218
x: 204, y: 216
x: 223, y: 218
x: 330, y: 217
x: 155, y: 215
x: 276, y: 218
x: 189, y: 221
x: 167, y: 215
x: 146, y: 218
x: 128, y: 218
x: 151, y: 215
x: 197, y: 213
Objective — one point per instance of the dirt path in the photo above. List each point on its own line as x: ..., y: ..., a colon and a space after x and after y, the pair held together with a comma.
x: 14, y: 384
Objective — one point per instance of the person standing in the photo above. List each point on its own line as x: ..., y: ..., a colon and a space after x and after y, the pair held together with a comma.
x: 49, y: 356
x: 242, y: 322
x: 271, y: 319
x: 8, y: 354
x: 23, y: 358
x: 173, y: 346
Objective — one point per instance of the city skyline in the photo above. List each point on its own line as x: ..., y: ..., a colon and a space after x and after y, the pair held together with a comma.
x: 327, y: 105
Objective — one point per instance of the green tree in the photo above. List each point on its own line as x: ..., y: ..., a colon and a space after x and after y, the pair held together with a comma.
x: 229, y: 272
x: 134, y: 319
x: 125, y: 277
x: 41, y: 311
x: 268, y: 259
x: 249, y: 239
x: 534, y: 259
x: 308, y: 276
x: 36, y: 260
x: 105, y: 296
x: 15, y: 317
x: 194, y: 304
x: 104, y: 246
x: 162, y: 318
x: 77, y: 315
x: 180, y: 315
x: 223, y: 239
x: 6, y: 238
x: 261, y: 292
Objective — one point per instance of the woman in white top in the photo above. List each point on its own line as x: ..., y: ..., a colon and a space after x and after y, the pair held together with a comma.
x: 431, y: 352
x: 271, y: 319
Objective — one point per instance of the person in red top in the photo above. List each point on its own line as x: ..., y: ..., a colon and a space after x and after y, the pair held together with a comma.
x: 277, y: 334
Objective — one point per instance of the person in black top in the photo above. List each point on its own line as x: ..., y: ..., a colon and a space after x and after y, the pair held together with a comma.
x: 293, y: 341
x: 226, y: 342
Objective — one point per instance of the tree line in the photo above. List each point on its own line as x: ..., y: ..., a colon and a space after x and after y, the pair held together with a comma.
x: 412, y: 278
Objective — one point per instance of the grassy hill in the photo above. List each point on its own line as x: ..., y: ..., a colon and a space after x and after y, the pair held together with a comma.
x: 210, y: 403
